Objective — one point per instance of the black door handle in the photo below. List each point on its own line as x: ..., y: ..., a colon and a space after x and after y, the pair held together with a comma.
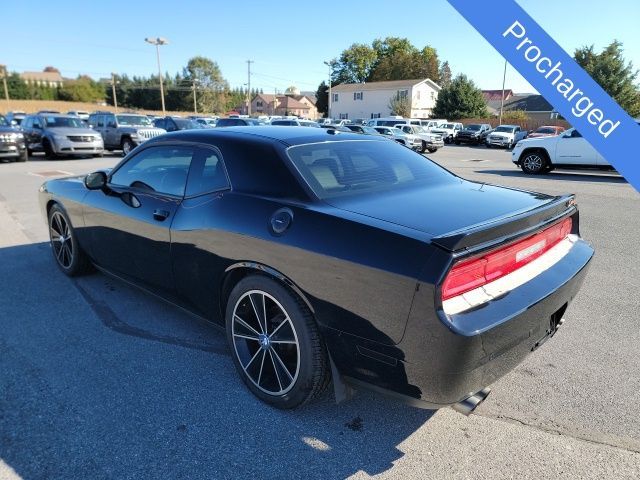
x: 160, y: 215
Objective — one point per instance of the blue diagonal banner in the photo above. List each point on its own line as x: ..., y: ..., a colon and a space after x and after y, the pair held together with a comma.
x: 560, y: 80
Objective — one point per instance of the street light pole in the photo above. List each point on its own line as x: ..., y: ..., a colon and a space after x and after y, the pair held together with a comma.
x: 249, y: 62
x: 504, y: 76
x: 113, y: 91
x: 330, y: 65
x: 157, y: 42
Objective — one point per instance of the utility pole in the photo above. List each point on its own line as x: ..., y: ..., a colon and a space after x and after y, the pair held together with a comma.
x: 3, y: 70
x: 275, y: 100
x: 195, y: 102
x: 504, y: 76
x: 249, y: 62
x: 157, y: 42
x: 113, y: 91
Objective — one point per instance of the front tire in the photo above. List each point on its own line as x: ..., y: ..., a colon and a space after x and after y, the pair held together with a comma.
x: 127, y: 146
x: 69, y: 257
x: 275, y: 343
x: 534, y: 163
x: 23, y: 157
x: 48, y: 149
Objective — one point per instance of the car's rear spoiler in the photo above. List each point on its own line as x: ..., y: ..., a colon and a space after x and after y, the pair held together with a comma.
x: 506, y: 227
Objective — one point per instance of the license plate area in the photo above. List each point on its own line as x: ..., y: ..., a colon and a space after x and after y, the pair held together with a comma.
x: 555, y: 322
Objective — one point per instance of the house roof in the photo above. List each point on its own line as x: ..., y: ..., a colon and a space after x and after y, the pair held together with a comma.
x: 529, y: 103
x: 496, y: 95
x: 42, y: 76
x: 284, y: 101
x: 387, y: 85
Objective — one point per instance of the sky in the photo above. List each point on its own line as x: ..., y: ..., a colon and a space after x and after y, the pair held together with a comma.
x: 288, y: 41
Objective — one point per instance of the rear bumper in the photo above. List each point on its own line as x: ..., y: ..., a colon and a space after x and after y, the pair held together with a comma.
x: 11, y: 149
x: 444, y: 359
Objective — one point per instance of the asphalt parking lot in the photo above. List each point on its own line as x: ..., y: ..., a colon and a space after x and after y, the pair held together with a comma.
x: 99, y: 380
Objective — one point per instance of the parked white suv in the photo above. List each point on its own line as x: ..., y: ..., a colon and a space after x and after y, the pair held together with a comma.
x: 430, y: 141
x: 505, y: 136
x: 448, y: 131
x: 543, y: 154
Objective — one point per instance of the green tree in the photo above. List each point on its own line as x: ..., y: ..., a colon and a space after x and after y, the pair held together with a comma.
x: 616, y: 76
x: 399, y: 59
x: 83, y: 89
x: 445, y: 74
x: 400, y: 105
x: 461, y: 99
x: 322, y: 98
x: 17, y: 87
x: 211, y: 85
x: 355, y: 64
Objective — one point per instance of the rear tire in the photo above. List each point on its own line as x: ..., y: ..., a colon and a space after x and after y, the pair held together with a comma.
x: 67, y: 253
x: 457, y: 142
x: 432, y: 150
x: 275, y: 343
x: 23, y: 157
x: 534, y: 163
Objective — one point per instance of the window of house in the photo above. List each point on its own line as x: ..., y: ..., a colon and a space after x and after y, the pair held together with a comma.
x: 344, y: 116
x: 417, y: 94
x: 259, y: 103
x: 357, y: 95
x: 335, y: 97
x: 375, y: 115
x: 433, y: 95
x: 403, y: 94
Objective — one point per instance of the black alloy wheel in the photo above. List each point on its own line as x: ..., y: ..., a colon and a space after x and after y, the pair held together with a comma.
x: 533, y: 163
x: 275, y: 343
x: 127, y: 146
x: 67, y: 253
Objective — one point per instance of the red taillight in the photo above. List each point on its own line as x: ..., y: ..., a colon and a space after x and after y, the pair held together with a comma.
x: 473, y: 273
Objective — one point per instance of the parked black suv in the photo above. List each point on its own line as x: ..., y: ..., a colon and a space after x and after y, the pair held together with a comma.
x: 12, y: 146
x: 237, y: 122
x: 475, y: 133
x: 173, y: 124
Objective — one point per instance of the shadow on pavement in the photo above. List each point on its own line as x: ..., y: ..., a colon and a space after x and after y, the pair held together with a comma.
x: 154, y: 394
x: 565, y: 175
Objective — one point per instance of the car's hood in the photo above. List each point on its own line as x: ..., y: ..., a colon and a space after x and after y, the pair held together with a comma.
x: 4, y: 129
x: 445, y: 207
x: 72, y: 131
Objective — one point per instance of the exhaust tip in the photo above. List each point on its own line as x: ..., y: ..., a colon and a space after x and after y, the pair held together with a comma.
x: 469, y: 404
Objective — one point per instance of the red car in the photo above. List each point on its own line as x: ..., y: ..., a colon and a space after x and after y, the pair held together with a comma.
x: 546, y: 131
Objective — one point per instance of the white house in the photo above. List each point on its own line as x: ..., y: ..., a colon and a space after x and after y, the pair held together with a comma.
x: 371, y: 100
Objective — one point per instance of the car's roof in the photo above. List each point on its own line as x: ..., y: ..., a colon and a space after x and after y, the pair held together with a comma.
x: 287, y: 135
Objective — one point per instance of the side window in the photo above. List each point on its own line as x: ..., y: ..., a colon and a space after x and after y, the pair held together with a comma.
x: 160, y: 169
x: 27, y: 123
x: 36, y: 122
x: 159, y: 123
x: 100, y: 121
x: 110, y: 121
x: 207, y: 173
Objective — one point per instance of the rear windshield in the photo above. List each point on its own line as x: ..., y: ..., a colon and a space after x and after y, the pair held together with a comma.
x: 473, y: 127
x: 353, y: 167
x: 545, y: 130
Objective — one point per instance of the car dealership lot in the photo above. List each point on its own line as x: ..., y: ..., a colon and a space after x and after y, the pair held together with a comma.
x: 100, y: 380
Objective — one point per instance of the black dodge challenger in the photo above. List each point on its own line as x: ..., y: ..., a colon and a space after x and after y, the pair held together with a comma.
x: 330, y: 256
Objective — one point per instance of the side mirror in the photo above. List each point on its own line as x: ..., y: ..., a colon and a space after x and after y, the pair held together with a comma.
x: 95, y: 181
x: 14, y: 123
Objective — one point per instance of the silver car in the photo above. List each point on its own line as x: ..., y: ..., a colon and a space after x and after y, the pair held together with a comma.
x: 123, y: 131
x: 56, y: 134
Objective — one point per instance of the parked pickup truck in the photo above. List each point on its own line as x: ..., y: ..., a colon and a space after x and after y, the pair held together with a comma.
x: 430, y: 141
x: 541, y: 155
x: 505, y: 136
x: 473, y: 133
x: 449, y: 131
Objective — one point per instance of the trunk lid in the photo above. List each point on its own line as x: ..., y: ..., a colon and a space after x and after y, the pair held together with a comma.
x: 461, y: 213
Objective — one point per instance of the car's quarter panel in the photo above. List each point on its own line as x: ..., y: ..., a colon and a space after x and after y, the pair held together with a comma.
x: 358, y: 278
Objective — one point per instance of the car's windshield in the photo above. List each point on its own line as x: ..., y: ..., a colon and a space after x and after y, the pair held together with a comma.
x: 71, y: 122
x: 448, y: 126
x: 354, y: 167
x: 418, y: 129
x: 505, y: 129
x: 545, y: 130
x: 473, y: 127
x: 133, y: 120
x: 397, y: 131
